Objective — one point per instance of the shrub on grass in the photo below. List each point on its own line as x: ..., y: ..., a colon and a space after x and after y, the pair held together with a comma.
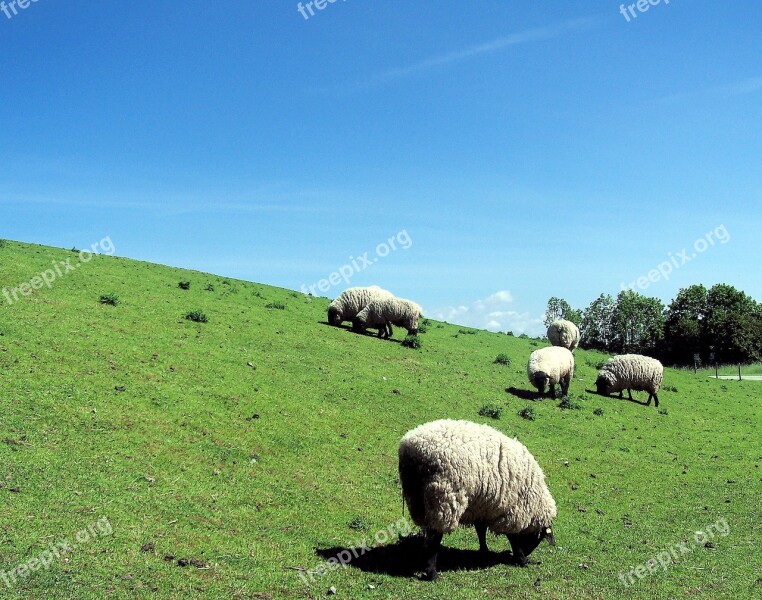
x: 569, y: 404
x: 663, y: 411
x: 275, y: 305
x: 110, y: 299
x: 359, y: 523
x: 502, y: 359
x: 527, y: 413
x: 2, y: 244
x: 509, y: 333
x: 523, y: 336
x: 670, y: 388
x: 422, y: 328
x: 184, y: 285
x: 209, y: 287
x: 412, y: 341
x: 491, y: 411
x: 197, y: 317
x: 467, y: 331
x: 598, y: 412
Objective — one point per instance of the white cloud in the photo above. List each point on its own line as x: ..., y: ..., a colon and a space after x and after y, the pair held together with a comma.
x: 494, y: 313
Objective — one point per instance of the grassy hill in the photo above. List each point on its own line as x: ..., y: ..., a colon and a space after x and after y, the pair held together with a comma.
x: 251, y: 443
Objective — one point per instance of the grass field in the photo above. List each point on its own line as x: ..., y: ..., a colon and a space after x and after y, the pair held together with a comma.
x: 249, y: 445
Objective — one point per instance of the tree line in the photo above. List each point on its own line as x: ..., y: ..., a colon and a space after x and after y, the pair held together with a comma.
x: 719, y: 325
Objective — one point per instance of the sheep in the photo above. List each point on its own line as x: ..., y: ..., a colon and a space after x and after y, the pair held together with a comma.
x: 461, y: 473
x: 564, y: 333
x: 549, y: 366
x: 352, y: 300
x: 388, y: 311
x: 631, y: 372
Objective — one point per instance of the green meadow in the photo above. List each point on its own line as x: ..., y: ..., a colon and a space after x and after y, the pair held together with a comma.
x: 225, y: 458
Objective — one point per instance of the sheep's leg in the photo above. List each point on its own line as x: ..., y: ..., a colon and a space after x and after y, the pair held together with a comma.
x: 389, y: 330
x: 655, y: 397
x: 518, y: 551
x: 565, y: 385
x: 621, y: 395
x: 629, y: 393
x: 481, y: 531
x: 432, y: 543
x: 552, y: 390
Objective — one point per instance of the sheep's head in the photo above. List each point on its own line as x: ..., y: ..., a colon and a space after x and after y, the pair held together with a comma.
x: 334, y: 316
x: 358, y: 326
x: 523, y: 544
x: 604, y: 385
x: 540, y: 380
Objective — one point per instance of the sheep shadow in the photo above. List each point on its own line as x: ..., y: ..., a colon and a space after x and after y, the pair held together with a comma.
x: 616, y: 397
x: 349, y: 329
x: 524, y: 394
x: 405, y: 558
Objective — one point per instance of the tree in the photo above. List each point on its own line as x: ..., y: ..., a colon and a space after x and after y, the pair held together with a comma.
x: 597, y: 323
x: 638, y: 323
x: 684, y: 330
x: 733, y: 324
x: 558, y: 308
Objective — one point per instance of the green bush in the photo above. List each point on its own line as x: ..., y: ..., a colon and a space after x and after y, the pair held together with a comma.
x: 502, y: 359
x: 359, y: 523
x: 569, y: 404
x: 412, y: 341
x: 598, y: 412
x: 110, y: 299
x: 209, y: 287
x: 490, y: 410
x: 197, y: 317
x: 275, y: 306
x: 184, y: 285
x: 527, y: 413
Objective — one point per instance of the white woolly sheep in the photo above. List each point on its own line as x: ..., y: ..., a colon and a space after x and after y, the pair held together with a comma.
x: 631, y: 372
x: 461, y: 473
x: 550, y: 366
x: 387, y: 311
x: 352, y: 300
x: 564, y: 333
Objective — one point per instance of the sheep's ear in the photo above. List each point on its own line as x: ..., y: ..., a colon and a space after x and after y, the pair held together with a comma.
x: 550, y: 537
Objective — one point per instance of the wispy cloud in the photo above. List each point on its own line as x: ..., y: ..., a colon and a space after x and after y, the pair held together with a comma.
x: 523, y: 37
x: 494, y: 313
x: 738, y: 88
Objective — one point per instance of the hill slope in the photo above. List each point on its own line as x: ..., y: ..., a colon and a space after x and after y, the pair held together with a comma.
x: 245, y: 443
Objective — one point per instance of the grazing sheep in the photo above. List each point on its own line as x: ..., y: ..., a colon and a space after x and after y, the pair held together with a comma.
x: 352, y: 300
x: 460, y: 473
x: 549, y: 366
x: 631, y: 372
x: 387, y: 311
x: 564, y: 333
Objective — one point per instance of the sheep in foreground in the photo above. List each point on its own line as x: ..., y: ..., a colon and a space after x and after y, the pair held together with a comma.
x: 461, y: 473
x: 550, y: 366
x: 387, y: 311
x: 352, y: 300
x: 631, y: 372
x: 564, y: 333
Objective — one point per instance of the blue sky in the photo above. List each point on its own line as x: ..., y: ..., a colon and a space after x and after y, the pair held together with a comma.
x: 526, y: 149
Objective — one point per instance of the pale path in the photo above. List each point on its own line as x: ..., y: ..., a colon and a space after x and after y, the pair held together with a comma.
x: 744, y: 377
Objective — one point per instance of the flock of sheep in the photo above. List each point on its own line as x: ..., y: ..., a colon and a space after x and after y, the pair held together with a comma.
x: 461, y: 473
x: 374, y: 308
